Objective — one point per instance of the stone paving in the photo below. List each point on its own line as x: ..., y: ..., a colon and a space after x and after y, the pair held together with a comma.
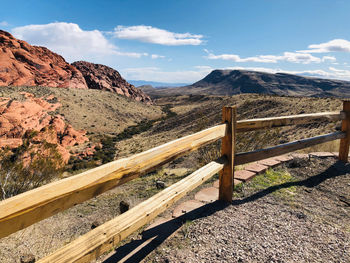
x: 271, y: 162
x: 187, y: 207
x: 256, y: 168
x: 207, y: 195
x: 244, y: 175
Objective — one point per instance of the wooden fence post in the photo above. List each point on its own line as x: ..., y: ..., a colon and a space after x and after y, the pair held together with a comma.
x: 226, y: 178
x: 345, y: 127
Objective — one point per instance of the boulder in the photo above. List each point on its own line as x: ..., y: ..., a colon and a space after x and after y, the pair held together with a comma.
x: 123, y: 206
x: 160, y: 184
x: 27, y: 258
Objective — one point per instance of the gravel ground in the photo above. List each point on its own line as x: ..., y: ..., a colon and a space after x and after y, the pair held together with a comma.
x: 305, y: 219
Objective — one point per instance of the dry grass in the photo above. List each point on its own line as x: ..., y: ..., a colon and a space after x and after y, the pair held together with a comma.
x: 332, y: 146
x: 97, y: 112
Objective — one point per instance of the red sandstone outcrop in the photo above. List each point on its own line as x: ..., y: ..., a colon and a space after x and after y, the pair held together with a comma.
x: 35, y: 114
x: 101, y: 77
x: 24, y: 65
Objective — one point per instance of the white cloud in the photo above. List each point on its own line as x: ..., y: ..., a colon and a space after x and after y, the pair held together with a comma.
x: 155, y: 56
x: 4, y: 23
x: 157, y: 74
x: 237, y: 58
x: 341, y: 73
x: 70, y: 41
x: 203, y: 67
x: 329, y: 59
x: 287, y: 56
x: 335, y: 45
x: 155, y: 35
x: 300, y: 58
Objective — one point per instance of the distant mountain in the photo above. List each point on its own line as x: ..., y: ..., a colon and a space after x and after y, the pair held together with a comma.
x: 154, y: 84
x: 230, y: 82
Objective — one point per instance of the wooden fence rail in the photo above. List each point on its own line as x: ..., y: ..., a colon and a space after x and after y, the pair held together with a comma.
x: 108, y: 235
x: 28, y: 208
x: 248, y: 157
x: 274, y: 122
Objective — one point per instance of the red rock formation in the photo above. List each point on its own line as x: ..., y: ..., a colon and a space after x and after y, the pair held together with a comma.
x: 24, y: 65
x: 32, y: 114
x: 101, y: 77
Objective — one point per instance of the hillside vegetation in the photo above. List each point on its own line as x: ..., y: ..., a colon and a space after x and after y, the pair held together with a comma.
x: 196, y: 112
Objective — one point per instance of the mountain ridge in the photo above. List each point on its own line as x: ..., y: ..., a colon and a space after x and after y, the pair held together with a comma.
x: 244, y: 81
x: 231, y: 82
x: 155, y: 84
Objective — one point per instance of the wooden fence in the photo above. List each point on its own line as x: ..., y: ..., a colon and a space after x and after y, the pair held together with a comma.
x: 30, y: 207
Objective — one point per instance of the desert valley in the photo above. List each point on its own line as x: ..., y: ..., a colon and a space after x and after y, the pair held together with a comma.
x: 61, y: 120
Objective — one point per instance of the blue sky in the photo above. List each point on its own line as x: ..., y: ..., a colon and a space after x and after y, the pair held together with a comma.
x: 183, y: 40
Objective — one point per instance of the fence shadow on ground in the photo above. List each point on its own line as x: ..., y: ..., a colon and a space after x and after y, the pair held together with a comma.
x: 137, y: 250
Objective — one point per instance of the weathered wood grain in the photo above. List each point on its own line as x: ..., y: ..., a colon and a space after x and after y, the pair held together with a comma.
x: 247, y: 157
x: 345, y: 127
x: 25, y: 209
x: 273, y: 122
x: 229, y: 116
x: 106, y: 236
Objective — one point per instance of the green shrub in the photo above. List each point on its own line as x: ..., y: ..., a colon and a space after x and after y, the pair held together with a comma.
x: 27, y: 167
x: 167, y: 110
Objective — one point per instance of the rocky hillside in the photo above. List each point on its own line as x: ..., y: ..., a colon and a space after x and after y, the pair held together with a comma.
x: 101, y: 77
x: 26, y: 65
x: 37, y: 116
x: 230, y: 82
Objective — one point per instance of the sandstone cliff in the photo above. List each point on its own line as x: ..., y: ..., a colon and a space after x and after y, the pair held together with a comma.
x: 24, y: 65
x: 101, y: 77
